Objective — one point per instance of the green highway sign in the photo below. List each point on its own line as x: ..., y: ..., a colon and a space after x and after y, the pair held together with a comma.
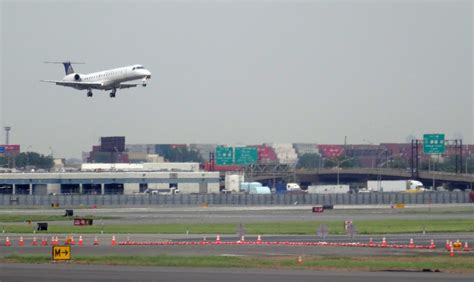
x: 433, y: 144
x: 224, y: 156
x: 245, y: 155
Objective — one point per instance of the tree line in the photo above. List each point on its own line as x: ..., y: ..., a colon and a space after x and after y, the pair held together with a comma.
x: 27, y: 160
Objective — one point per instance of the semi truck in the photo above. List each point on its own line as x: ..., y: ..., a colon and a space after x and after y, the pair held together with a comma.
x: 394, y: 186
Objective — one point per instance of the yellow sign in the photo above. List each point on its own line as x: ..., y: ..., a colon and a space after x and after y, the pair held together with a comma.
x: 399, y: 206
x: 61, y: 252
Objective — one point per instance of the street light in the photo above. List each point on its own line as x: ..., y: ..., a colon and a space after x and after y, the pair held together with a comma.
x: 338, y: 166
x: 379, y: 178
x: 28, y: 156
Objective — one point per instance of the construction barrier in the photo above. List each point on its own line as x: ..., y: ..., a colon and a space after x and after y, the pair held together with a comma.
x: 451, y: 247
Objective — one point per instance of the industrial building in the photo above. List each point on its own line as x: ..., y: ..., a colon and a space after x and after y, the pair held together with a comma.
x: 112, y: 182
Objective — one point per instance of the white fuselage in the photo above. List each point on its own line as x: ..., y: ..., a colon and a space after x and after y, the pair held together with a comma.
x: 109, y: 79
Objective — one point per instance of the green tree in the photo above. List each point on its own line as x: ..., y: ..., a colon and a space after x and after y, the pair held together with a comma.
x: 341, y: 161
x: 400, y: 163
x: 35, y: 160
x: 309, y: 161
x: 181, y: 154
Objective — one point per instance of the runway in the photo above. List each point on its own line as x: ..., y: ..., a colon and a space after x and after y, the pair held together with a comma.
x: 234, y: 215
x: 215, y: 214
x: 105, y: 246
x: 69, y: 272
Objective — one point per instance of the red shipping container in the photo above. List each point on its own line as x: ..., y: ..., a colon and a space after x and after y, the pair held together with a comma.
x: 331, y: 151
x: 207, y: 167
x: 11, y: 150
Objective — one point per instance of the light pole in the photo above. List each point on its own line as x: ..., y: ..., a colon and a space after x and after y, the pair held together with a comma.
x: 338, y: 166
x: 467, y: 157
x: 28, y: 156
x: 379, y: 178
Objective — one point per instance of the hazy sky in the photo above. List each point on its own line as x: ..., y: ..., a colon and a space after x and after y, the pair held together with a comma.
x: 239, y: 71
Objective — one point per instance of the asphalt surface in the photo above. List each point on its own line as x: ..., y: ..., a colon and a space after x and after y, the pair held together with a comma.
x: 68, y: 272
x: 215, y: 214
x: 105, y: 246
x: 235, y: 215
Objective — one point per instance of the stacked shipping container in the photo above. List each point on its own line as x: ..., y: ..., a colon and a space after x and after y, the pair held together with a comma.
x: 331, y: 151
x: 285, y: 153
x: 305, y: 148
x: 204, y: 149
x: 266, y: 155
x: 10, y: 150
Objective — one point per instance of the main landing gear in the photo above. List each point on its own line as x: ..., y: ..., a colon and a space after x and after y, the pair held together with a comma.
x: 112, y: 94
x: 89, y: 93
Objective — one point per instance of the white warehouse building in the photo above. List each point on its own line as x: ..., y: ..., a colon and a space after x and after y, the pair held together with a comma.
x: 102, y: 183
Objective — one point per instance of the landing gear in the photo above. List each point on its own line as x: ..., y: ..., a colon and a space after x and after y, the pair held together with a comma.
x: 144, y: 82
x: 112, y: 94
x: 89, y: 93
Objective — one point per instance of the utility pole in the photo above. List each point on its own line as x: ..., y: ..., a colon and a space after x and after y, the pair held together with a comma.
x: 7, y: 134
x: 7, y: 142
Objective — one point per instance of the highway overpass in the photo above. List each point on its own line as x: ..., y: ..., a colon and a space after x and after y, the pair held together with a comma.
x: 361, y: 175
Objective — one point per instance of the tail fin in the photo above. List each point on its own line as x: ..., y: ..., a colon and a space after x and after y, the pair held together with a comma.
x: 67, y: 66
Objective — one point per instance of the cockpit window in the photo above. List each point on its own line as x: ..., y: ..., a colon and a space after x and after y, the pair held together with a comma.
x: 139, y: 67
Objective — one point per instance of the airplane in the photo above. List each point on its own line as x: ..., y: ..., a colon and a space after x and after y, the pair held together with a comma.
x: 103, y: 80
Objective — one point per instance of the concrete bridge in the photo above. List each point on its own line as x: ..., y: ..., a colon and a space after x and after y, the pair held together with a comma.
x: 361, y: 175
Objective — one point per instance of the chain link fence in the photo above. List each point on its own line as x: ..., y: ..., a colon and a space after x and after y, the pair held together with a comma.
x: 235, y: 199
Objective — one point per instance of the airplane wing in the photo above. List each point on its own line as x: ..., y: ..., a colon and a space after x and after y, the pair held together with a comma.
x: 127, y: 85
x: 78, y: 84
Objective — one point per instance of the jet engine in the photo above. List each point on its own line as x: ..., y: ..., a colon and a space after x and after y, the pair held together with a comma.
x: 77, y: 77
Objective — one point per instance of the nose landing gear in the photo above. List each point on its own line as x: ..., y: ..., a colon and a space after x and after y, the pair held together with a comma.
x: 89, y: 93
x: 112, y: 94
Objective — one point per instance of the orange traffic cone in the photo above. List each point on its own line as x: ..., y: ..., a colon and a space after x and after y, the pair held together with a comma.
x: 56, y: 241
x: 34, y: 243
x: 44, y: 242
x: 371, y: 242
x: 300, y: 260
x: 242, y: 239
x: 218, y: 239
x: 432, y: 244
x: 80, y: 241
x: 451, y: 251
x: 21, y: 243
x: 96, y: 241
x: 384, y: 243
x: 7, y: 242
x: 72, y: 241
x: 259, y: 239
x: 466, y: 247
x: 448, y: 245
x: 411, y: 245
x: 114, y: 243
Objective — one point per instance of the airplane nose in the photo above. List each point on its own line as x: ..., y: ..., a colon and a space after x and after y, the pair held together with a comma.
x: 148, y: 74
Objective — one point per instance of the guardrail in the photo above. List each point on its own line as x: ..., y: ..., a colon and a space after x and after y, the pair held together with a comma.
x: 234, y: 199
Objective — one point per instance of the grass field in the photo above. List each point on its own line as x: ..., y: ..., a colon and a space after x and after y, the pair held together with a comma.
x: 393, y: 226
x: 444, y: 263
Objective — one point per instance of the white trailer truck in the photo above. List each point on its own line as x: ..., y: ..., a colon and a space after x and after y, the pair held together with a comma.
x: 394, y: 185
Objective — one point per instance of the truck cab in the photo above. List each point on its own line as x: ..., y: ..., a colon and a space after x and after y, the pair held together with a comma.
x: 293, y: 187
